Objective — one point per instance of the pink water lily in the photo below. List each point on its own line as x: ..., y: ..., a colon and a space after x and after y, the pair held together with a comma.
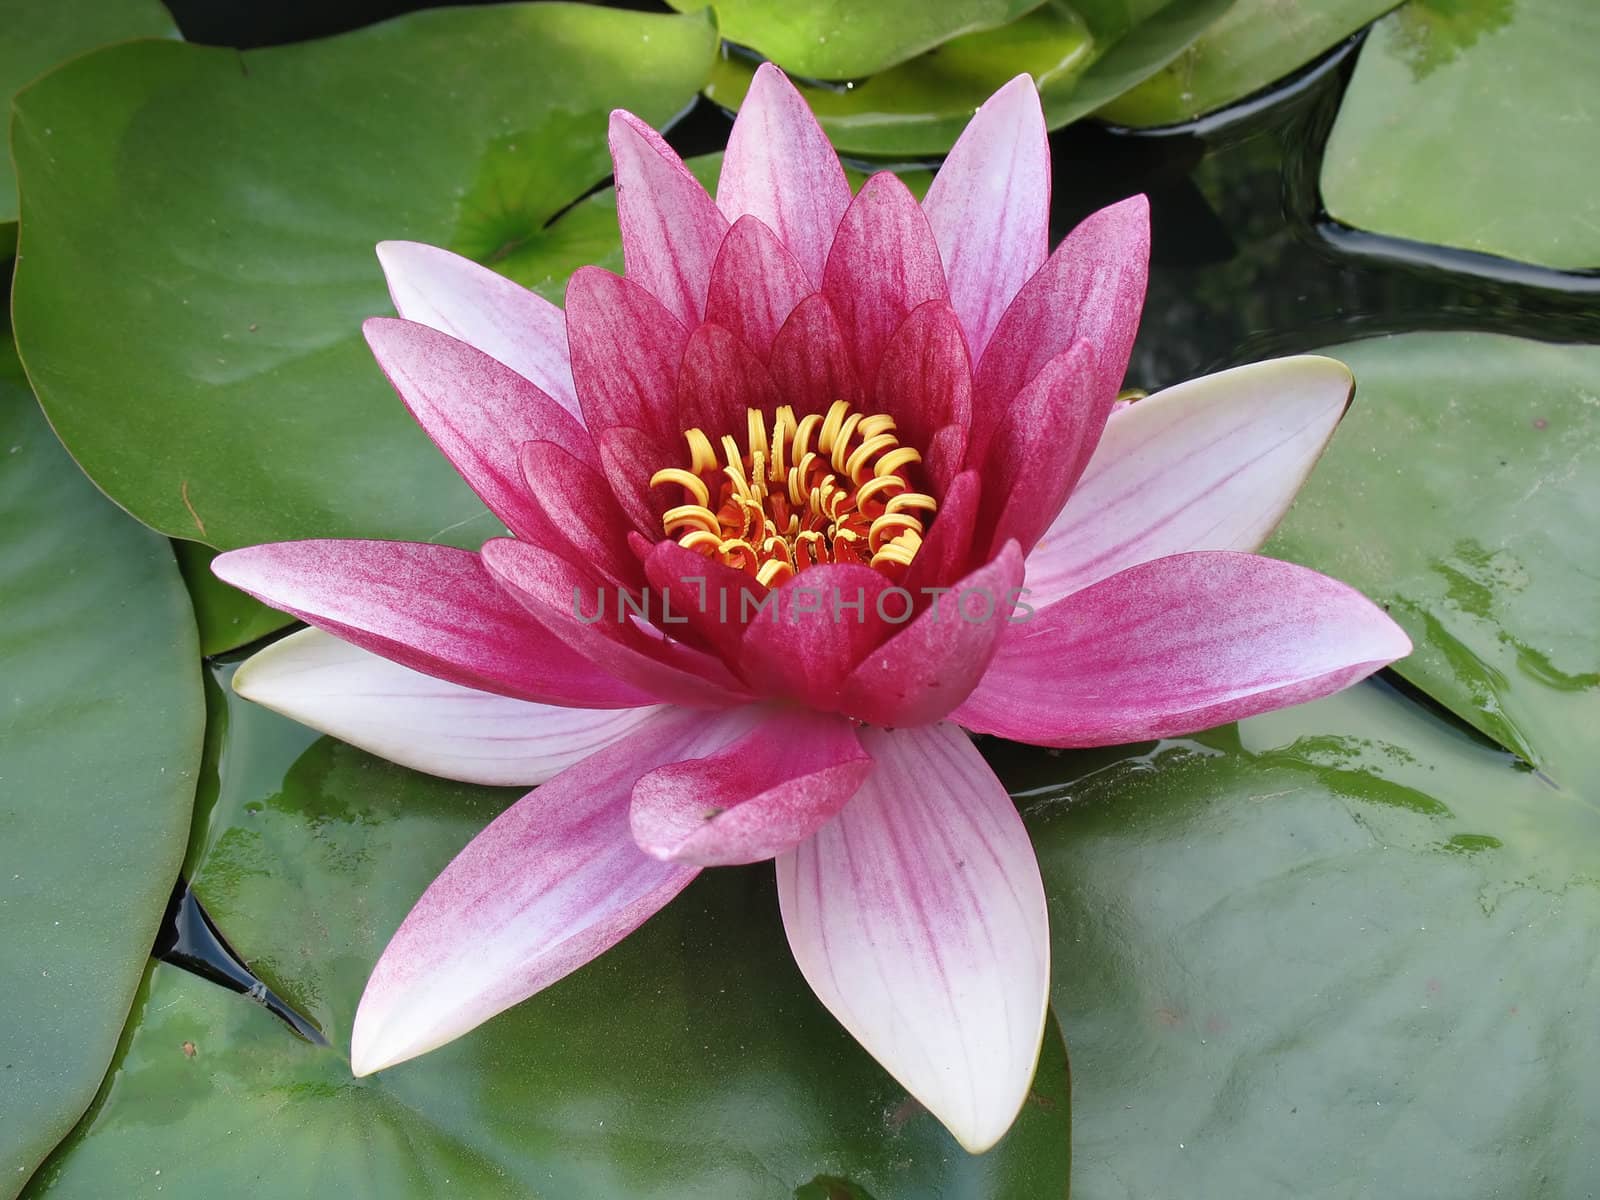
x: 906, y: 409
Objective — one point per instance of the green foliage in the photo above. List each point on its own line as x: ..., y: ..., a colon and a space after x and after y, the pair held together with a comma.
x: 1499, y: 151
x: 36, y: 35
x: 99, y: 749
x: 214, y: 380
x: 1257, y: 42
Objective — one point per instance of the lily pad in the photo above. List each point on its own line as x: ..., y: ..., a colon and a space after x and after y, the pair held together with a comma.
x: 844, y: 39
x: 1490, y: 447
x: 1080, y: 56
x: 1338, y: 950
x: 1256, y: 43
x: 216, y: 383
x: 1499, y: 151
x: 691, y: 1061
x: 99, y: 752
x: 36, y: 36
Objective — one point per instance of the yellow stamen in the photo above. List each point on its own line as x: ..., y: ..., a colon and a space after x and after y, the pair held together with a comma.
x: 824, y: 488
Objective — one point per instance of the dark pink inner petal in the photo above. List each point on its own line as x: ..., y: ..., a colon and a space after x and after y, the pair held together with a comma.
x: 883, y: 263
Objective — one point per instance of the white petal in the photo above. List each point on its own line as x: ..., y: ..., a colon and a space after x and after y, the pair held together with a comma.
x: 1211, y: 464
x: 424, y: 723
x: 918, y: 917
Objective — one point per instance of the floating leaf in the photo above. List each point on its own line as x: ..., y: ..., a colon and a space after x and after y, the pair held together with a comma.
x: 35, y: 36
x: 1463, y: 493
x: 844, y: 39
x: 1499, y: 151
x: 99, y: 750
x: 1342, y: 942
x: 215, y: 382
x: 1256, y: 43
x: 1079, y: 55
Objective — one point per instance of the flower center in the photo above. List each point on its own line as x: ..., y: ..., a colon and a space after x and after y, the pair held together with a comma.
x: 834, y: 488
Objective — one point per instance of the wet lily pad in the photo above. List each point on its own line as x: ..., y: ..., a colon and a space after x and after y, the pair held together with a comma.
x: 691, y: 1061
x: 1490, y: 447
x: 239, y: 196
x: 35, y: 37
x: 99, y: 752
x: 1079, y: 55
x: 1256, y: 43
x: 1499, y: 151
x: 843, y: 39
x: 1339, y: 947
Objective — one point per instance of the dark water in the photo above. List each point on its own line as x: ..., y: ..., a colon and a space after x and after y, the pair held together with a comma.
x: 1245, y: 265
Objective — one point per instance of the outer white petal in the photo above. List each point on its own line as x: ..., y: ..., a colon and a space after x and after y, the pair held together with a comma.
x: 424, y: 723
x: 1211, y: 464
x: 918, y: 917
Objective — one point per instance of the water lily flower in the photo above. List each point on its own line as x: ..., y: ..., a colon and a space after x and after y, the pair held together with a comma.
x: 811, y: 447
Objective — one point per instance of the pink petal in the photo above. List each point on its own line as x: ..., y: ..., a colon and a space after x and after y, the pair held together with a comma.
x: 719, y: 379
x: 755, y: 798
x: 625, y: 353
x: 1179, y: 644
x: 582, y: 520
x: 883, y: 263
x: 1042, y: 447
x: 1211, y: 464
x: 1090, y: 290
x: 811, y: 362
x: 924, y: 671
x: 925, y: 383
x: 990, y: 207
x: 420, y: 722
x: 670, y: 228
x: 552, y: 882
x: 483, y: 309
x: 476, y: 409
x: 628, y: 458
x: 780, y: 167
x: 755, y: 284
x: 818, y: 625
x: 918, y: 917
x: 587, y: 614
x: 948, y: 548
x: 711, y: 599
x: 431, y: 608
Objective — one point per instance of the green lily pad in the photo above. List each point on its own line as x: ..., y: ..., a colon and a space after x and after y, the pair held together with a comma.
x: 1256, y: 43
x: 215, y: 382
x: 1338, y: 950
x: 844, y: 39
x: 1080, y: 56
x: 691, y: 1061
x: 99, y: 751
x: 35, y: 36
x: 1499, y: 151
x: 1490, y: 447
